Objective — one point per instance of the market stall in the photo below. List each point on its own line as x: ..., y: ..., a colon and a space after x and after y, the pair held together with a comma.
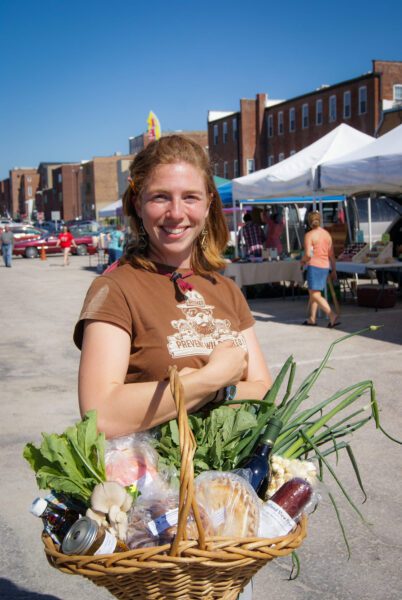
x: 249, y: 273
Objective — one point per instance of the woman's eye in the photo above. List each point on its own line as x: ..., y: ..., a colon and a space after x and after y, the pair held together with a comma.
x: 191, y: 198
x: 159, y: 198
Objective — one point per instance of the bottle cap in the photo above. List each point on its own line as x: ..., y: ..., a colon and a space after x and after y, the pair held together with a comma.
x: 273, y: 429
x: 38, y: 507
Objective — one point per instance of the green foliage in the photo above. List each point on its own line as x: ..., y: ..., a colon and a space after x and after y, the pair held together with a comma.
x: 71, y: 463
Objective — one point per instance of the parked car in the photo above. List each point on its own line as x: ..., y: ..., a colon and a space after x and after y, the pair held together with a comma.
x: 32, y: 248
x: 50, y: 226
x: 25, y: 232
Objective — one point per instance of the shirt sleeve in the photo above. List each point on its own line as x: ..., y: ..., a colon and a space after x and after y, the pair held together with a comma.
x: 105, y: 301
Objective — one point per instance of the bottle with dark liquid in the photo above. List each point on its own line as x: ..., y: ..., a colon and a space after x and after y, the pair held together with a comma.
x: 56, y: 519
x: 258, y: 462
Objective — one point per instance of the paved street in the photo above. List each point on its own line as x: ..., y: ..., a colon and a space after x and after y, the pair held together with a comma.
x: 40, y: 302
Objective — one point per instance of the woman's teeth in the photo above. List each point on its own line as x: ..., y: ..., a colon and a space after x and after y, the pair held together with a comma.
x: 174, y: 231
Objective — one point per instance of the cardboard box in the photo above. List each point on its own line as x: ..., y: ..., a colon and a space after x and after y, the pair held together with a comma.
x: 376, y: 296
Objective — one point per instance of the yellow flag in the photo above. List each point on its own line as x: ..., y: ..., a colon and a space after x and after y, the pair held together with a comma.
x: 154, y: 127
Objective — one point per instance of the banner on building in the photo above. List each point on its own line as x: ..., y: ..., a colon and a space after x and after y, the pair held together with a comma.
x: 154, y: 127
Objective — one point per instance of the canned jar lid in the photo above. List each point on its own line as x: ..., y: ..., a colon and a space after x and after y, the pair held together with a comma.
x: 80, y: 536
x: 38, y: 507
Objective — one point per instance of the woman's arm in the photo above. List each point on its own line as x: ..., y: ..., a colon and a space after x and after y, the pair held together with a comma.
x: 307, y: 249
x: 127, y: 408
x: 257, y: 380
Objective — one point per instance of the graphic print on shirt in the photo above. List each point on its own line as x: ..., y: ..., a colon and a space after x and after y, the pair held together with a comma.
x: 199, y: 332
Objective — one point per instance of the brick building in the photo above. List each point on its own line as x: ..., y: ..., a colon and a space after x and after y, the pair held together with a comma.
x: 264, y: 132
x: 137, y: 143
x: 5, y: 198
x: 67, y: 182
x: 99, y: 184
x: 22, y: 179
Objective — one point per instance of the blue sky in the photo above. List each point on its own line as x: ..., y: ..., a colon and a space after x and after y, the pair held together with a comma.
x: 79, y: 78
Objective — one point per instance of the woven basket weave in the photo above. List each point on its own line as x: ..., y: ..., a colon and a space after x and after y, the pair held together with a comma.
x: 207, y: 568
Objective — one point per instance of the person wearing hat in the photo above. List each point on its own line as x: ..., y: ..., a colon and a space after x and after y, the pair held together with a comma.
x: 165, y: 302
x: 319, y: 257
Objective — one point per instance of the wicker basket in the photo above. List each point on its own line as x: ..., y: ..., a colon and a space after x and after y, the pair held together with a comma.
x: 207, y: 568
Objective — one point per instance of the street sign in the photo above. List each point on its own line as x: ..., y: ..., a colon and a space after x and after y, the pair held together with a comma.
x: 55, y: 214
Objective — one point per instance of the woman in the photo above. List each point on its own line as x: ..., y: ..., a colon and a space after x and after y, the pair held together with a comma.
x: 318, y: 256
x: 275, y: 229
x: 65, y: 241
x: 166, y: 304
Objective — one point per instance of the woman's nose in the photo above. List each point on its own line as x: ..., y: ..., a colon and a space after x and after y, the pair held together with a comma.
x: 176, y: 208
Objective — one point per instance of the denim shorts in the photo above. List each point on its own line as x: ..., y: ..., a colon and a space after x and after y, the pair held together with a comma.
x: 316, y: 278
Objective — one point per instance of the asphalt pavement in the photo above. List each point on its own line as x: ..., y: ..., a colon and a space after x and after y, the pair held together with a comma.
x: 40, y: 302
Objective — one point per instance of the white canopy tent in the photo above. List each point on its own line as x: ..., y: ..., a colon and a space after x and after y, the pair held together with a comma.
x: 377, y: 167
x: 297, y: 175
x: 115, y: 209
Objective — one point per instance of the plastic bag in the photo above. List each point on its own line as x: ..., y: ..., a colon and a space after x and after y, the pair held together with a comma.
x: 132, y: 460
x: 230, y: 503
x: 153, y: 521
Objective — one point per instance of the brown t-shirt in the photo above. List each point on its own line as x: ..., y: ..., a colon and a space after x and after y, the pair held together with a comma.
x: 166, y: 329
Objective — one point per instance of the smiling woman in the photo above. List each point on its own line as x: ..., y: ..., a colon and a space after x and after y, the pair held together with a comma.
x: 166, y: 302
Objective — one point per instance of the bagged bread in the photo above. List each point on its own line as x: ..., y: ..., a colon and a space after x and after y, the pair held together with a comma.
x: 230, y: 503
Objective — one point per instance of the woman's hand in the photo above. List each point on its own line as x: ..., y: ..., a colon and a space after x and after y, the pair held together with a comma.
x: 227, y: 364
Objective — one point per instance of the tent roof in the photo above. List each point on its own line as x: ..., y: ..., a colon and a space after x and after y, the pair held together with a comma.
x: 112, y: 210
x: 376, y: 167
x: 297, y: 174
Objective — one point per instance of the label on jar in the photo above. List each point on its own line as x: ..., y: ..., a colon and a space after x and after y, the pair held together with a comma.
x: 160, y: 524
x: 108, y: 545
x: 274, y: 521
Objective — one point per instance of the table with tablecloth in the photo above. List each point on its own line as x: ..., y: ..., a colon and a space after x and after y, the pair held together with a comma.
x: 249, y: 273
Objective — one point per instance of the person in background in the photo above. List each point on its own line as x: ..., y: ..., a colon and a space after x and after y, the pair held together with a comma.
x: 115, y: 241
x: 274, y: 222
x: 318, y: 257
x: 65, y: 241
x: 7, y: 244
x: 252, y: 236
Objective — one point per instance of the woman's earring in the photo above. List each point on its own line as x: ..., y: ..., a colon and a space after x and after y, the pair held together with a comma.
x: 204, y: 238
x: 142, y: 237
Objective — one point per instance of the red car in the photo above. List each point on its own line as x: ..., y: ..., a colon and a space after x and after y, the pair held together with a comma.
x: 31, y: 248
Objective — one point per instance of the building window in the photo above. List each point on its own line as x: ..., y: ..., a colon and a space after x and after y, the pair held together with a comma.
x: 270, y: 125
x: 318, y: 112
x: 234, y: 128
x: 305, y: 116
x: 29, y: 191
x: 29, y: 179
x: 250, y: 165
x: 347, y: 105
x: 216, y: 169
x: 362, y: 100
x: 280, y: 122
x: 332, y: 109
x: 281, y: 156
x: 292, y: 119
x: 398, y: 92
x: 292, y: 152
x: 216, y: 134
x: 236, y: 168
x: 225, y: 132
x: 59, y: 177
x: 270, y: 160
x: 225, y: 169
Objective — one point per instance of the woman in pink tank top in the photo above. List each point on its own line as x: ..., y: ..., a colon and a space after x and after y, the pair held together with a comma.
x: 319, y: 257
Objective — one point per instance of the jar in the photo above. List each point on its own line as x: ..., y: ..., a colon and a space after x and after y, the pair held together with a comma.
x: 87, y: 537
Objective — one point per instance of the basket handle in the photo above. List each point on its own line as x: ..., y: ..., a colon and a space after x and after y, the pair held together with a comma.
x: 187, y: 450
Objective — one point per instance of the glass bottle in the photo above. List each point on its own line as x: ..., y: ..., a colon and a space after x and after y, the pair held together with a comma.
x: 57, y: 520
x: 258, y: 462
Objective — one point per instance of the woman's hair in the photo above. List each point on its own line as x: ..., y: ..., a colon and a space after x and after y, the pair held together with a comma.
x: 314, y: 219
x: 169, y: 150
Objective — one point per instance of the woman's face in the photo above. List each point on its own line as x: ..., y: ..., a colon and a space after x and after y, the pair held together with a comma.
x: 173, y: 207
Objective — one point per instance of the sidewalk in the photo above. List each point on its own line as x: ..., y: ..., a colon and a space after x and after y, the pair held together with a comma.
x: 40, y: 302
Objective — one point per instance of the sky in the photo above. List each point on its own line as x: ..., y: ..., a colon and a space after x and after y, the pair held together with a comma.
x: 79, y: 78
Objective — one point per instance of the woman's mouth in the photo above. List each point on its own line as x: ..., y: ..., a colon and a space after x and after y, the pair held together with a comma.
x: 174, y: 231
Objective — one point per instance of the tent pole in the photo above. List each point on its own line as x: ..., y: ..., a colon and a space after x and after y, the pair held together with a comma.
x: 287, y: 229
x: 369, y: 218
x: 345, y: 208
x: 236, y: 229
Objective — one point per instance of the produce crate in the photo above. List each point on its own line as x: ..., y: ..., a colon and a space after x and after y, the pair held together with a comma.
x: 376, y: 296
x: 379, y: 253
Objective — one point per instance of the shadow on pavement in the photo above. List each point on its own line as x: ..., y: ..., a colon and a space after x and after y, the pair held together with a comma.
x: 9, y: 590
